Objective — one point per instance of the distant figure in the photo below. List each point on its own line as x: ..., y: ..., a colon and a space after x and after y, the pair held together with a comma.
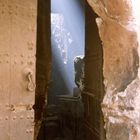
x: 79, y: 65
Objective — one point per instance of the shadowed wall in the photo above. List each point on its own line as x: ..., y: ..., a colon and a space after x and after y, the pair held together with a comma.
x: 43, y: 55
x: 93, y: 93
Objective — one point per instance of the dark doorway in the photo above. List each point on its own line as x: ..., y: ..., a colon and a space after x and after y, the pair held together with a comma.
x: 73, y: 32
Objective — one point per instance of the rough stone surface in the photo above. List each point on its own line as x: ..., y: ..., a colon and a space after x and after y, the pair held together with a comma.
x: 119, y: 26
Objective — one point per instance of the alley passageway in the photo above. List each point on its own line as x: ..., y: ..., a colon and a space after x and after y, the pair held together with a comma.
x: 75, y: 87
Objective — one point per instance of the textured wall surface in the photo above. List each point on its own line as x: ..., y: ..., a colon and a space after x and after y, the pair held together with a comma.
x: 17, y: 68
x: 118, y: 25
x: 93, y: 90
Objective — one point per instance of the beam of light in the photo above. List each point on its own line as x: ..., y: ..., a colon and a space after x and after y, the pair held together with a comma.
x: 61, y: 36
x: 68, y: 25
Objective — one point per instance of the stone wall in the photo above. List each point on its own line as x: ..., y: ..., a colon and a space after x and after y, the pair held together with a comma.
x: 93, y: 82
x: 118, y: 25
